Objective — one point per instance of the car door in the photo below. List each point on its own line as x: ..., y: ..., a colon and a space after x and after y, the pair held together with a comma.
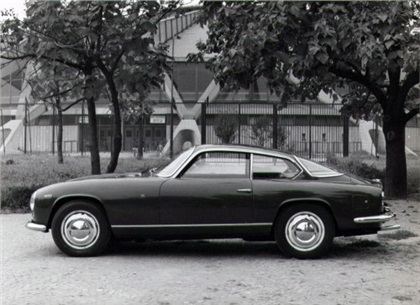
x: 212, y: 192
x: 273, y: 181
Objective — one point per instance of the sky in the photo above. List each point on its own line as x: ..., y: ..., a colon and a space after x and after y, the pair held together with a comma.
x: 19, y: 5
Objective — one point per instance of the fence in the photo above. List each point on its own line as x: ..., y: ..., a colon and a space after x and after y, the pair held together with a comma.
x: 309, y: 130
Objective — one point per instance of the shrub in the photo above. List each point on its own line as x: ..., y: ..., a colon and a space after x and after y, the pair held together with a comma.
x: 413, y: 181
x: 355, y: 166
x: 262, y: 133
x: 21, y: 175
x: 226, y: 127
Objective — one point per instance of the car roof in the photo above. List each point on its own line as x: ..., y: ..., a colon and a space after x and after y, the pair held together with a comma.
x: 242, y: 148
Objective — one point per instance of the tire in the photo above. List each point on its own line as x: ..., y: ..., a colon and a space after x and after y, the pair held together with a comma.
x: 304, y: 231
x: 80, y: 228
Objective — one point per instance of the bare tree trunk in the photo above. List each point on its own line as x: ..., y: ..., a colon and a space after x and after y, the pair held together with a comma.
x: 117, y: 133
x: 60, y: 135
x: 93, y: 138
x: 141, y: 144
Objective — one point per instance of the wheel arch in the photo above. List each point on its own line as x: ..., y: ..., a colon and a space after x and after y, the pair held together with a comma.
x: 316, y: 201
x: 61, y: 201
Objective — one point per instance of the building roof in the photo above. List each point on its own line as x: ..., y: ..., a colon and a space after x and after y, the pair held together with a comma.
x: 186, y: 41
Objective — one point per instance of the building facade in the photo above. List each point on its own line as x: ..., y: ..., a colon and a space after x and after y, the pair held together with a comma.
x: 313, y: 129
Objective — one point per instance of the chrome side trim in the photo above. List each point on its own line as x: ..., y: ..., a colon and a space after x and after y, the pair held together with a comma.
x: 36, y: 227
x: 194, y: 225
x: 389, y: 228
x: 374, y: 219
x: 244, y: 190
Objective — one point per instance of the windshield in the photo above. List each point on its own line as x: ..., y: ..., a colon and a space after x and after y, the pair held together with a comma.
x: 174, y: 165
x: 318, y: 170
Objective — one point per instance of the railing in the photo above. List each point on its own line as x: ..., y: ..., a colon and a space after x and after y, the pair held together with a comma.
x: 173, y: 25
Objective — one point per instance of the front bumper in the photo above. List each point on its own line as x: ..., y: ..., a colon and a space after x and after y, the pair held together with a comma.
x: 36, y: 227
x: 387, y: 215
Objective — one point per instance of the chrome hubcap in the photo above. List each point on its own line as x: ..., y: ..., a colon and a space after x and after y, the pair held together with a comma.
x: 80, y: 229
x: 305, y: 231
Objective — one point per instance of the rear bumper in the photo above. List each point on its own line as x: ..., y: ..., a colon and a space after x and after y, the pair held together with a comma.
x: 36, y: 227
x: 387, y: 215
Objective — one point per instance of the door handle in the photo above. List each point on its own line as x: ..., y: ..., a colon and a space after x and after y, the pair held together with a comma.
x: 244, y: 191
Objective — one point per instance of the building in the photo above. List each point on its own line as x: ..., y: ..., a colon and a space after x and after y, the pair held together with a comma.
x: 312, y: 129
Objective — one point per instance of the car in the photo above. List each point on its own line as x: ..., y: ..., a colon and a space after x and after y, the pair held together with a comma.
x: 212, y: 192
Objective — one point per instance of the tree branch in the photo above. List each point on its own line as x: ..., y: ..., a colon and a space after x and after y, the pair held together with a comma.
x: 117, y: 60
x: 33, y: 56
x: 411, y: 80
x: 74, y: 103
x: 56, y: 94
x: 361, y: 79
x: 408, y: 116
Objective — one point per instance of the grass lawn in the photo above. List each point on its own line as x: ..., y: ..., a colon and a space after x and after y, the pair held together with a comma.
x: 23, y: 174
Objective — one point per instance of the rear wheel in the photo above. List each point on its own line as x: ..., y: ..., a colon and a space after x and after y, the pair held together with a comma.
x: 80, y: 228
x: 304, y: 231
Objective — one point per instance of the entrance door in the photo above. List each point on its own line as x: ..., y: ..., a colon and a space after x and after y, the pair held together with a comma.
x: 155, y: 137
x: 129, y: 138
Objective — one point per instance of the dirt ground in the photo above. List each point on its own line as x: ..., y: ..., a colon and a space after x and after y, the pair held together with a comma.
x: 376, y: 269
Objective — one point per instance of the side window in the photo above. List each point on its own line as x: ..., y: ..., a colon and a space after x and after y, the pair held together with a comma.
x: 264, y: 167
x: 218, y: 165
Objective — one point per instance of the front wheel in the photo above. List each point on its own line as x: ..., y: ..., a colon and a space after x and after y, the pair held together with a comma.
x: 304, y: 231
x: 80, y: 228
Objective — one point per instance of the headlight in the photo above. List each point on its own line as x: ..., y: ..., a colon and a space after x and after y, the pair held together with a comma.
x: 32, y: 201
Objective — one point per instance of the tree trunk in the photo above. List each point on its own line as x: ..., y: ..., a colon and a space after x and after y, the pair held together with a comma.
x: 93, y: 138
x: 140, y: 146
x: 60, y: 135
x: 396, y: 164
x: 117, y: 134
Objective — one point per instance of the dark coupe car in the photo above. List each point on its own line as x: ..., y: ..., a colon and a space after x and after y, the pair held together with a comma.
x: 213, y: 191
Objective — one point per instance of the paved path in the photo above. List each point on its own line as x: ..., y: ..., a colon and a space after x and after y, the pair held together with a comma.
x: 356, y: 271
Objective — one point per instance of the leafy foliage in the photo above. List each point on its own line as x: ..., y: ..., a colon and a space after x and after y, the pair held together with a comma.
x: 109, y: 45
x: 263, y: 135
x: 368, y: 50
x: 315, y: 41
x: 355, y: 166
x: 226, y: 127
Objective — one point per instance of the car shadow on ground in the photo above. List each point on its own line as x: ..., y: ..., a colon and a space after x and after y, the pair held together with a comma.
x: 351, y: 248
x: 205, y: 248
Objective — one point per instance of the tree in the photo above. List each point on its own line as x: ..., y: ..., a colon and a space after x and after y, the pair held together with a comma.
x: 111, y: 45
x: 136, y: 110
x: 304, y: 47
x: 262, y: 133
x: 55, y: 85
x: 47, y: 35
x: 226, y: 127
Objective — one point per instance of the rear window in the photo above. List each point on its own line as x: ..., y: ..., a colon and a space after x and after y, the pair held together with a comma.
x: 318, y: 170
